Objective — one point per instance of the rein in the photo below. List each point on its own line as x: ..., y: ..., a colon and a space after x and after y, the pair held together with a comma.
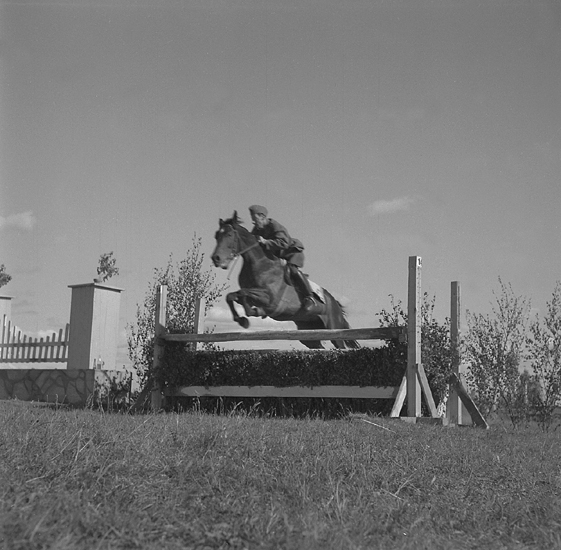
x: 246, y: 249
x: 237, y: 254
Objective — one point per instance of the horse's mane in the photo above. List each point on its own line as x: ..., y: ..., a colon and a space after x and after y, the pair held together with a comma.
x: 236, y: 222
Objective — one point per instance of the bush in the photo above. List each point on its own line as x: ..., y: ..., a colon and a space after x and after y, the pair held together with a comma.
x: 362, y: 367
x: 544, y: 354
x: 187, y: 282
x: 494, y: 347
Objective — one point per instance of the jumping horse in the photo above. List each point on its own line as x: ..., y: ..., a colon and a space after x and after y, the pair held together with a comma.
x: 265, y: 288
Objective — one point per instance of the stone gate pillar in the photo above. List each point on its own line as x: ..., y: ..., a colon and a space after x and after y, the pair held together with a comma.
x: 94, y: 326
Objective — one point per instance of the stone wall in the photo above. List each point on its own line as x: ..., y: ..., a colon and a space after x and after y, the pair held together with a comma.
x: 79, y: 387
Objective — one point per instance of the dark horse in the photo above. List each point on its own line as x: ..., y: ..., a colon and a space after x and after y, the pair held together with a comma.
x: 265, y: 289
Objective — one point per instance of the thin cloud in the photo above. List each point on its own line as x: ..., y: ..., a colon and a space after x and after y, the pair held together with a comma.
x: 25, y: 221
x: 390, y: 206
x: 221, y: 317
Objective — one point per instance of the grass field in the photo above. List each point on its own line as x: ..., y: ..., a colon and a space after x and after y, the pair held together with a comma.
x: 87, y: 479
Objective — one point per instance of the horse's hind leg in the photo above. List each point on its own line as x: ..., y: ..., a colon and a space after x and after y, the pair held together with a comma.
x: 312, y: 344
x: 346, y: 344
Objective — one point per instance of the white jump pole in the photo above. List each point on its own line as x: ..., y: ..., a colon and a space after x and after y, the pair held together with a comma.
x: 199, y: 327
x: 414, y: 337
x: 159, y: 330
x: 453, y: 405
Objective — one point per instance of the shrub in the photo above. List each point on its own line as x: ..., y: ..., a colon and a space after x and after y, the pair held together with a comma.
x: 544, y: 354
x: 494, y: 347
x: 187, y: 282
x: 361, y: 367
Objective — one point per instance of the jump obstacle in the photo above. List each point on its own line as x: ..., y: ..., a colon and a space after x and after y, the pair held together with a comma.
x: 413, y: 385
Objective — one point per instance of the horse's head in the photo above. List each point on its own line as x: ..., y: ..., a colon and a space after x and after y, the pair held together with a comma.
x: 231, y: 239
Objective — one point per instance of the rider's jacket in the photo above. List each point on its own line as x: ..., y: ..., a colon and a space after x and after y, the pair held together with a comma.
x: 280, y: 243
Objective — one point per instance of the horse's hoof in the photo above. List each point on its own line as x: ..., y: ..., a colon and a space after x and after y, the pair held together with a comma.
x: 243, y: 322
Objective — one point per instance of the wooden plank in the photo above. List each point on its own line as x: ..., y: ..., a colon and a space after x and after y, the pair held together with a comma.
x: 453, y: 405
x: 66, y: 341
x: 9, y: 338
x: 24, y: 350
x: 199, y: 328
x: 471, y: 407
x: 2, y: 352
x: 16, y: 350
x: 414, y: 300
x: 385, y: 333
x: 48, y: 354
x: 5, y: 339
x: 426, y: 390
x: 60, y: 348
x: 400, y: 398
x: 340, y: 392
x: 34, y: 342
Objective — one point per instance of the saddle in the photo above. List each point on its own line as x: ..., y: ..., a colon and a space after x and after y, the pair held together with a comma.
x: 316, y: 289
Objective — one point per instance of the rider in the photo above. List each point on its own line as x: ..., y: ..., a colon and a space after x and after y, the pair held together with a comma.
x: 274, y: 238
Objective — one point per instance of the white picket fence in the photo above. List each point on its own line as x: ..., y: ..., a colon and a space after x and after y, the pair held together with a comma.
x: 17, y: 347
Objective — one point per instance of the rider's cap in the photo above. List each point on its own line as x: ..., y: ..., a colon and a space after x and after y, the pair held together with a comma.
x: 256, y: 209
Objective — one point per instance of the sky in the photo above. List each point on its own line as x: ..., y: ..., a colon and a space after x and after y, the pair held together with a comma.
x: 373, y: 130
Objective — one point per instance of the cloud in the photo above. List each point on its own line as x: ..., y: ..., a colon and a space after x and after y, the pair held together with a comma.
x: 221, y: 317
x: 25, y: 221
x: 391, y: 206
x: 218, y: 314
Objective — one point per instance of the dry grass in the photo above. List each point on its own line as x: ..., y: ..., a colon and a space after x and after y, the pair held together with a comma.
x: 85, y: 479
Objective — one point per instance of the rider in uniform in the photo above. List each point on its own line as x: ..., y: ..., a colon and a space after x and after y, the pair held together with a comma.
x: 274, y: 238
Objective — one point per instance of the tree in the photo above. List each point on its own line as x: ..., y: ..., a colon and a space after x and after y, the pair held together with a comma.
x: 186, y: 282
x: 494, y: 349
x: 544, y: 354
x: 4, y: 277
x: 435, y: 343
x: 106, y: 268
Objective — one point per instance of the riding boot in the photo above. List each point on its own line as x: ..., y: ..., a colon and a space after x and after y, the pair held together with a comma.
x: 303, y: 288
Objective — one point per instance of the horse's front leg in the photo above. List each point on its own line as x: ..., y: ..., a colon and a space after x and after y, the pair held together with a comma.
x: 231, y: 298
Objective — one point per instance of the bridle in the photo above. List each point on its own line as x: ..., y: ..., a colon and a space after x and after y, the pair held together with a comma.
x: 235, y: 254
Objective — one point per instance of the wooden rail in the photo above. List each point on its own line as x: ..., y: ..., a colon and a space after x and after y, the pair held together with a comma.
x: 340, y: 392
x: 387, y: 333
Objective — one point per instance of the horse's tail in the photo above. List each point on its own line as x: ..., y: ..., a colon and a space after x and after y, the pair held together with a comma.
x: 336, y: 319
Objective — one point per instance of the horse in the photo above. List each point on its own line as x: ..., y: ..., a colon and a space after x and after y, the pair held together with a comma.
x: 265, y: 289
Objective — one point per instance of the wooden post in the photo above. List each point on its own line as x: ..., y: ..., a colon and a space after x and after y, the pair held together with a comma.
x: 453, y: 406
x: 400, y: 398
x: 421, y: 375
x: 414, y: 336
x: 159, y: 330
x: 471, y: 407
x: 199, y: 327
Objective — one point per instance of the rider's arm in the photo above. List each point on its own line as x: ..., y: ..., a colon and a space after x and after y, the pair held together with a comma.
x: 277, y: 237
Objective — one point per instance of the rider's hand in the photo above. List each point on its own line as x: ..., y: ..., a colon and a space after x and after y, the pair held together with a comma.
x: 261, y: 240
